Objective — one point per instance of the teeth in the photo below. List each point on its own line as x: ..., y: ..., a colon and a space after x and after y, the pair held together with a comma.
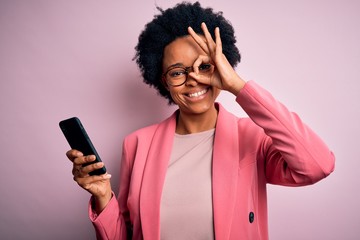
x: 197, y: 94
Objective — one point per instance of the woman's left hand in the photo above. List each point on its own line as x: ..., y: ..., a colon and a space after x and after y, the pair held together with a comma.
x: 224, y: 76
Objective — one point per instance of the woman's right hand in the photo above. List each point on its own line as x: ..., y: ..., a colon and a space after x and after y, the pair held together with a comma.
x: 98, y: 185
x: 225, y: 76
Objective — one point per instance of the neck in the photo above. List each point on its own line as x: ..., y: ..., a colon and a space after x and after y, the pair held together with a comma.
x: 194, y: 123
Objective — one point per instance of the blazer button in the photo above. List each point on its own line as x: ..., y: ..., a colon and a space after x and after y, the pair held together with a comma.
x: 251, y: 217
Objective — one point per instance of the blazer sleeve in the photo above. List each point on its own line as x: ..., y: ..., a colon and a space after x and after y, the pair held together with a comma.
x: 293, y: 154
x: 111, y: 223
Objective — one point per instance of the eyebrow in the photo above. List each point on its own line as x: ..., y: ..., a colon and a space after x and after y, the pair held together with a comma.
x: 175, y: 65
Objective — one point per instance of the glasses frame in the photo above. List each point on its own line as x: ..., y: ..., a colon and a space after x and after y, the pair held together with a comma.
x: 187, y: 71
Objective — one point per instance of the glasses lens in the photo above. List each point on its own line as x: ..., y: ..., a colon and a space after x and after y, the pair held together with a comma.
x: 176, y: 76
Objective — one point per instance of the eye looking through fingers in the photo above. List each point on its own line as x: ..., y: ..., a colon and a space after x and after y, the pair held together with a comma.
x: 203, y: 64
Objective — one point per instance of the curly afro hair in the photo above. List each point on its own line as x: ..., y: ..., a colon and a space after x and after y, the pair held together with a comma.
x: 171, y: 24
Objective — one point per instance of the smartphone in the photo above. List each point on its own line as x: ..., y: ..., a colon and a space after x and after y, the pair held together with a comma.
x: 78, y: 139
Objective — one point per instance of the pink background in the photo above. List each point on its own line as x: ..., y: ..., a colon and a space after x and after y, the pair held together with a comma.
x: 74, y: 58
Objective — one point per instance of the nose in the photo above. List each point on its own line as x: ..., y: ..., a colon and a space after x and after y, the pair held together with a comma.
x: 189, y: 80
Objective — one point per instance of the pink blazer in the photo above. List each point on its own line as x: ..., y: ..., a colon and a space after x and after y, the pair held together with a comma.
x: 271, y: 146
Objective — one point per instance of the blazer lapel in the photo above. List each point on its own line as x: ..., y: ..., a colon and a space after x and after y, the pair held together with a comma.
x: 225, y: 172
x: 154, y: 177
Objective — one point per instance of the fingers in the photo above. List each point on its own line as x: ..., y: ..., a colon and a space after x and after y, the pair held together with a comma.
x: 73, y: 153
x: 84, y: 159
x: 207, y: 77
x: 218, y: 40
x: 82, y: 181
x: 97, y: 185
x: 198, y: 40
x: 90, y: 168
x: 77, y: 157
x: 81, y: 171
x: 88, y: 182
x: 207, y: 43
x: 209, y: 40
x: 79, y: 160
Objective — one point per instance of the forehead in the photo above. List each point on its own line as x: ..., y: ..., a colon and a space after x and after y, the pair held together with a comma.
x: 182, y: 51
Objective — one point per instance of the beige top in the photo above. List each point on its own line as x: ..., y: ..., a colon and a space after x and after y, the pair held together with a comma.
x: 186, y: 204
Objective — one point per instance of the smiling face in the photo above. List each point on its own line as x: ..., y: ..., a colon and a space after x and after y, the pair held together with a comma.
x: 192, y: 97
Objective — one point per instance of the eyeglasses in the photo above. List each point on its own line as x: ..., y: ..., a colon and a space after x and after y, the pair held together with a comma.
x: 177, y: 76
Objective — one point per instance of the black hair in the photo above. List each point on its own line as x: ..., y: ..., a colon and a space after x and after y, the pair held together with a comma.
x: 171, y: 24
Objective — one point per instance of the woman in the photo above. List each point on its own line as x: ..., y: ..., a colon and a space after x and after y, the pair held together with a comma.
x: 201, y: 173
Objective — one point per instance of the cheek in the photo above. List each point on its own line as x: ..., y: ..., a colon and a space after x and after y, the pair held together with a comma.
x: 175, y: 95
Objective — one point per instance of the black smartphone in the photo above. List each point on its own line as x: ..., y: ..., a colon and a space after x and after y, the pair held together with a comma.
x: 78, y: 139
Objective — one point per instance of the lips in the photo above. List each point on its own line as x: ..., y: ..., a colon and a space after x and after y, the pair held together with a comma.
x: 197, y: 94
